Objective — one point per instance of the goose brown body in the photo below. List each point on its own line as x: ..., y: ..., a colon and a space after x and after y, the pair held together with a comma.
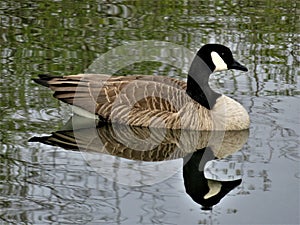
x: 148, y: 101
x: 157, y: 101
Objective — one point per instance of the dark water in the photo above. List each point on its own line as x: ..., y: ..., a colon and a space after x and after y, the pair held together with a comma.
x: 43, y: 184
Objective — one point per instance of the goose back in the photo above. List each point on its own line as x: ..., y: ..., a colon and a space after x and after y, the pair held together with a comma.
x: 148, y: 101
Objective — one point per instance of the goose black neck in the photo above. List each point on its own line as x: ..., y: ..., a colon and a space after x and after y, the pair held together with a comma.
x: 202, y: 94
x: 197, y: 84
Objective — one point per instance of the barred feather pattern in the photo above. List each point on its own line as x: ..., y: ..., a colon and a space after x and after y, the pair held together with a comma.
x: 142, y: 143
x: 147, y: 101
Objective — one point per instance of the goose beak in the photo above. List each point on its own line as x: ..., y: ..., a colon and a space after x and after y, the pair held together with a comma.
x: 237, y: 66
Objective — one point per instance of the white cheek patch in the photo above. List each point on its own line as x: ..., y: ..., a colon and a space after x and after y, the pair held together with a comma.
x: 218, y: 61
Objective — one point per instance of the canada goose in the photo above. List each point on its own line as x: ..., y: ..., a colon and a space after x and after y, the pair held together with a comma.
x: 157, y: 101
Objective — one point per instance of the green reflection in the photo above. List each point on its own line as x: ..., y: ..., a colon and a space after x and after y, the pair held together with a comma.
x: 65, y: 37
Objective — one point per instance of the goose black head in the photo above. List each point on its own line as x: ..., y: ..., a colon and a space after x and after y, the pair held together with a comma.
x: 219, y: 57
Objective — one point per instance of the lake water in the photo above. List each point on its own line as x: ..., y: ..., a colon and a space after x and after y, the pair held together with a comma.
x: 258, y: 173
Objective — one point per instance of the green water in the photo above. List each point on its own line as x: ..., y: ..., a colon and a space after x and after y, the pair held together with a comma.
x: 41, y: 184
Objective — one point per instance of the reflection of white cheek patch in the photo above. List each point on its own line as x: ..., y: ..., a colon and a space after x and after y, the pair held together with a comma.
x: 218, y: 61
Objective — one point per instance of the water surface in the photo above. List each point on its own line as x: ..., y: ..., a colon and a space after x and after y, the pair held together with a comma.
x: 43, y: 184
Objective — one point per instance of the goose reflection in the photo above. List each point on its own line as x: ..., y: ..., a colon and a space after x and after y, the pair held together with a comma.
x: 204, y: 191
x: 150, y: 147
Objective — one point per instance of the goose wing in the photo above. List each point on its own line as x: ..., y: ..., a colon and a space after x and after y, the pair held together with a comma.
x: 136, y: 100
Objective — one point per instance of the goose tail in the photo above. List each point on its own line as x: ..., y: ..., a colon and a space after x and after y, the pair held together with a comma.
x: 44, y: 79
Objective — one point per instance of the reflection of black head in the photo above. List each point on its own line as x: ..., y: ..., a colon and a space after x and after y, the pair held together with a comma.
x: 196, y: 185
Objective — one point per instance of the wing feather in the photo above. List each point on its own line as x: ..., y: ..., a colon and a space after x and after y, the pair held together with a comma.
x: 136, y: 99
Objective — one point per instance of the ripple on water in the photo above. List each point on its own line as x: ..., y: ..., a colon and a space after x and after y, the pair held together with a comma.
x: 60, y: 193
x: 274, y: 128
